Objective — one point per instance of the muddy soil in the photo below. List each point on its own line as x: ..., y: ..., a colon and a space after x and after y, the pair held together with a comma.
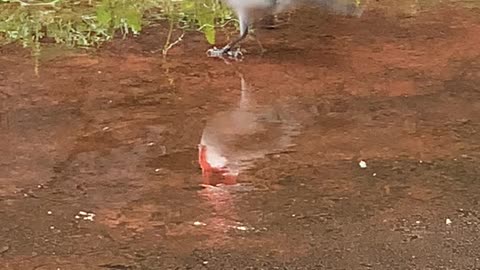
x: 120, y: 159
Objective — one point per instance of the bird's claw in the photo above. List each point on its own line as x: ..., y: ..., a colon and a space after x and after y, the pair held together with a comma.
x: 236, y: 54
x: 215, y: 52
x: 221, y: 53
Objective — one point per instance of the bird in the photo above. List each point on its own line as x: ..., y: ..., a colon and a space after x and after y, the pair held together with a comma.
x: 245, y: 10
x: 249, y: 10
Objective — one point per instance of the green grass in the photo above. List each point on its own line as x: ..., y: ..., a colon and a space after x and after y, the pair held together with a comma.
x: 89, y: 23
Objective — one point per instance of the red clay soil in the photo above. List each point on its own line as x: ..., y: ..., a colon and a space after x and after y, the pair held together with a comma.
x: 99, y: 165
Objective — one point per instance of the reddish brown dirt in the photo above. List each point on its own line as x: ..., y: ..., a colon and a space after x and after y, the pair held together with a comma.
x: 115, y: 132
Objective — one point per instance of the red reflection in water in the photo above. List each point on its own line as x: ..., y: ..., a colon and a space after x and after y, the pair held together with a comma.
x: 214, y: 175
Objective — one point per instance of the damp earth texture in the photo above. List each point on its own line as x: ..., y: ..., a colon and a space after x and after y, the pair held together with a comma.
x: 350, y: 141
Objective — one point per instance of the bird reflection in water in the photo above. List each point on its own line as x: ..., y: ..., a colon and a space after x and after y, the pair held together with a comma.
x: 232, y: 140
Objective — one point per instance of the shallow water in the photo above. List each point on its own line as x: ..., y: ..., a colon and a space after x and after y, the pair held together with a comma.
x: 118, y: 133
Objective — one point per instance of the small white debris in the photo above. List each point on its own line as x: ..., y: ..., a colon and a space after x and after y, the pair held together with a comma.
x: 241, y: 228
x: 198, y: 223
x: 52, y: 227
x: 150, y: 143
x: 293, y: 215
x: 158, y: 169
x: 105, y: 128
x: 85, y: 216
x: 25, y: 195
x: 99, y: 72
x: 49, y: 212
x: 420, y: 161
x: 90, y: 218
x: 362, y: 164
x: 205, y: 262
x: 417, y: 222
x: 374, y: 174
x: 448, y: 221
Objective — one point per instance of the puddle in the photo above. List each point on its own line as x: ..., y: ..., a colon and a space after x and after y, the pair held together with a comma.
x: 190, y: 162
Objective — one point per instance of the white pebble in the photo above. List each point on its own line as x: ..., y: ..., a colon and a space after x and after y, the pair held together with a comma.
x: 362, y: 164
x: 448, y: 221
x: 49, y: 212
x: 85, y: 215
x: 198, y: 223
x: 90, y: 218
x: 241, y: 228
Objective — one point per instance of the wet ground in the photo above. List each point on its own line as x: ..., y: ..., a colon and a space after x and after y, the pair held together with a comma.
x: 102, y: 153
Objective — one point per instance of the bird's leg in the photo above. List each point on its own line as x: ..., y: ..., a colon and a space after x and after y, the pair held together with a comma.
x: 227, y: 50
x: 262, y: 49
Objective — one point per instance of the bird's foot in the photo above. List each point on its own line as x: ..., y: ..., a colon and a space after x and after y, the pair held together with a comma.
x: 221, y: 53
x: 215, y: 52
x: 236, y: 54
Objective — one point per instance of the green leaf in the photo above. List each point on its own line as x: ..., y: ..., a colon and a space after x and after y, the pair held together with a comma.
x: 209, y: 32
